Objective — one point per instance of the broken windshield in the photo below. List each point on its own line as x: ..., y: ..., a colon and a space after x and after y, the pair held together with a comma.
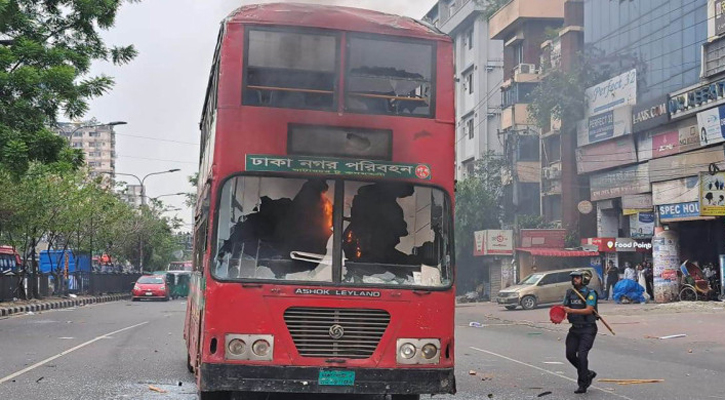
x: 389, y: 77
x: 282, y: 229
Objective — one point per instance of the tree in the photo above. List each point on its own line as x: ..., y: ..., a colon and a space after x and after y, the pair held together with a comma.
x: 491, y: 6
x: 46, y: 51
x: 478, y: 207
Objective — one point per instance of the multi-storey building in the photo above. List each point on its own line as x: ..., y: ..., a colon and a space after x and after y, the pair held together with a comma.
x: 651, y: 130
x: 479, y: 73
x: 98, y: 142
x: 522, y: 26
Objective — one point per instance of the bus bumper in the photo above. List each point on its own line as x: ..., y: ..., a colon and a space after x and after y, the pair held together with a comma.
x: 284, y: 379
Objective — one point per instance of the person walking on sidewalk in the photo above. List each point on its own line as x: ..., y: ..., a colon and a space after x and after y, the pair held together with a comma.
x: 612, y: 277
x: 583, y: 329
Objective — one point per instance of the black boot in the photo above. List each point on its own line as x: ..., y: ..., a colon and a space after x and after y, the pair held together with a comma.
x: 582, y: 389
x: 590, y: 379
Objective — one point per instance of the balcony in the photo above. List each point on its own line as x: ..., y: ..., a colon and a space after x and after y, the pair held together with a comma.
x: 506, y: 20
x: 514, y: 115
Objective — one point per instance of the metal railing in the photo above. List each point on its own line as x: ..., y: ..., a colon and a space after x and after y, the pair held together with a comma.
x: 79, y: 283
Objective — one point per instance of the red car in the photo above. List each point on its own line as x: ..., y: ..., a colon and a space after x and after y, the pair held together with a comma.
x: 151, y: 287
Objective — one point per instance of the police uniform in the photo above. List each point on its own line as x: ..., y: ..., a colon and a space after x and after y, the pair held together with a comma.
x: 582, y: 333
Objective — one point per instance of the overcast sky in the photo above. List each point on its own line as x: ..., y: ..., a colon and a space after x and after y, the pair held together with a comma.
x: 161, y: 93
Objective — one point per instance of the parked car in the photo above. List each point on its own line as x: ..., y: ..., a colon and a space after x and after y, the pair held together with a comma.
x: 543, y: 288
x: 151, y: 287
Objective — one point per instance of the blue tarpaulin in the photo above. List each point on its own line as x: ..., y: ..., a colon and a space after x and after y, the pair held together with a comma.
x: 630, y: 289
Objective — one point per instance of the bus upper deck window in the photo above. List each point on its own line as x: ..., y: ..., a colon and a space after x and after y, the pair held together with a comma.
x: 290, y: 69
x: 389, y: 77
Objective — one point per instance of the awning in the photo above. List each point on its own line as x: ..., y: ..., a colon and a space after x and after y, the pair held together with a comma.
x: 552, y: 252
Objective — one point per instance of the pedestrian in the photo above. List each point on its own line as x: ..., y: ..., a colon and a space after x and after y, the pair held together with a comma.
x: 629, y: 272
x: 649, y: 279
x: 612, y: 273
x: 583, y: 329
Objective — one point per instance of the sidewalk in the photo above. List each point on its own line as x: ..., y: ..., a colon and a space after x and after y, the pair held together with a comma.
x: 21, y: 306
x: 702, y: 322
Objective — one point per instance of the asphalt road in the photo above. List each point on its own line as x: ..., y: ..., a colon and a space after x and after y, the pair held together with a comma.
x: 117, y: 350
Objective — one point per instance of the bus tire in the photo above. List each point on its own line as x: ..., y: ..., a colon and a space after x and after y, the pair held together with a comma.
x: 405, y: 397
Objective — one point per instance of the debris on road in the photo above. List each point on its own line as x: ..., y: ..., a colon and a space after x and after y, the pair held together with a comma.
x: 157, y: 390
x: 487, y: 377
x: 40, y: 379
x: 471, y: 372
x: 624, y: 382
x: 679, y: 335
x: 544, y: 394
x: 474, y: 324
x: 553, y: 362
x: 534, y: 333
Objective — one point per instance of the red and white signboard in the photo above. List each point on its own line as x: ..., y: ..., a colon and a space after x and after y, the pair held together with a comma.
x: 493, y: 243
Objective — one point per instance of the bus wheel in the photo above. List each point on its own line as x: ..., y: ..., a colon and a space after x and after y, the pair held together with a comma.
x: 405, y: 397
x: 214, y: 396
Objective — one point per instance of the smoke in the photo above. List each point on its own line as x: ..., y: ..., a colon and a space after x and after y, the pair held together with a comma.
x: 411, y: 8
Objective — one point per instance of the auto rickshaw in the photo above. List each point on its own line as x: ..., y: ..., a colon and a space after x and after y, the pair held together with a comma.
x: 178, y: 282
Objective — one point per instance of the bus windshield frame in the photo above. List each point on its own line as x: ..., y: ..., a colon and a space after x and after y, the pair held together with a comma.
x: 416, y: 271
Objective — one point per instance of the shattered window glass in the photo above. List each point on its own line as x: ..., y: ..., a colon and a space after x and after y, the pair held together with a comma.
x: 290, y: 69
x: 281, y: 229
x: 389, y: 77
x: 275, y: 229
x: 395, y: 233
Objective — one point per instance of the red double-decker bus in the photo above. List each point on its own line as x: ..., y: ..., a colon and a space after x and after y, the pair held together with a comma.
x: 323, y: 229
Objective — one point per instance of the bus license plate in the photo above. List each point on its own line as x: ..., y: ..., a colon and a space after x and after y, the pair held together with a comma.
x: 336, y: 378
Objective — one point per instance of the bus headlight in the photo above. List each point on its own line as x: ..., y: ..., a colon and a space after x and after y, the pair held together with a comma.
x: 260, y: 348
x: 249, y: 347
x: 237, y: 347
x: 429, y: 351
x: 407, y: 351
x: 418, y: 351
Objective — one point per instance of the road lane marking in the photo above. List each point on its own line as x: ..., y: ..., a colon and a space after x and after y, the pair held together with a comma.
x: 47, y: 360
x: 548, y: 372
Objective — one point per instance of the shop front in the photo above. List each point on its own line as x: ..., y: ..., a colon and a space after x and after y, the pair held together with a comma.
x: 495, y: 270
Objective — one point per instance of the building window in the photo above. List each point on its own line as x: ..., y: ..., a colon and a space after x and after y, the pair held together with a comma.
x: 469, y: 166
x: 518, y: 53
x: 94, y: 134
x: 77, y: 134
x: 469, y: 39
x: 528, y: 148
x: 469, y: 128
x: 94, y: 164
x: 469, y: 82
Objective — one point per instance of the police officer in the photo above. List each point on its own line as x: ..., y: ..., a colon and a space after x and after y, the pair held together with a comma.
x: 583, y: 327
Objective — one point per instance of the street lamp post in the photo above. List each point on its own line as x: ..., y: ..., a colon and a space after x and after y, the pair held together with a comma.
x: 143, y: 204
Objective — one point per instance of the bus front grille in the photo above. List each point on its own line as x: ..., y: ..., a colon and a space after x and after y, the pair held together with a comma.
x: 336, y: 332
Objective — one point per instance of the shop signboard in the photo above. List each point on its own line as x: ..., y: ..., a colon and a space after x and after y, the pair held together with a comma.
x: 712, y: 194
x: 710, y: 125
x: 644, y: 146
x: 637, y: 201
x: 719, y: 17
x: 599, y: 156
x: 684, y: 165
x: 679, y: 211
x: 697, y: 99
x: 683, y: 190
x: 689, y: 138
x: 665, y: 144
x: 642, y: 225
x: 618, y: 245
x: 550, y: 238
x: 493, y: 243
x: 620, y: 182
x: 605, y: 126
x: 610, y: 94
x: 650, y: 115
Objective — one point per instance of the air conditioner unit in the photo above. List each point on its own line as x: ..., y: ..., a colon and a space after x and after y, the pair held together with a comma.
x: 525, y: 69
x: 555, y: 172
x: 546, y: 173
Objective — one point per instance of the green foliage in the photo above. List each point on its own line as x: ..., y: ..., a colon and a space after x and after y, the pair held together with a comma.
x: 560, y: 95
x: 190, y: 200
x: 46, y: 51
x: 68, y: 210
x: 491, y: 6
x: 478, y: 203
x: 527, y: 221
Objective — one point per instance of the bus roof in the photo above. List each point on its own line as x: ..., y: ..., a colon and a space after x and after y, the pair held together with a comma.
x: 334, y: 17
